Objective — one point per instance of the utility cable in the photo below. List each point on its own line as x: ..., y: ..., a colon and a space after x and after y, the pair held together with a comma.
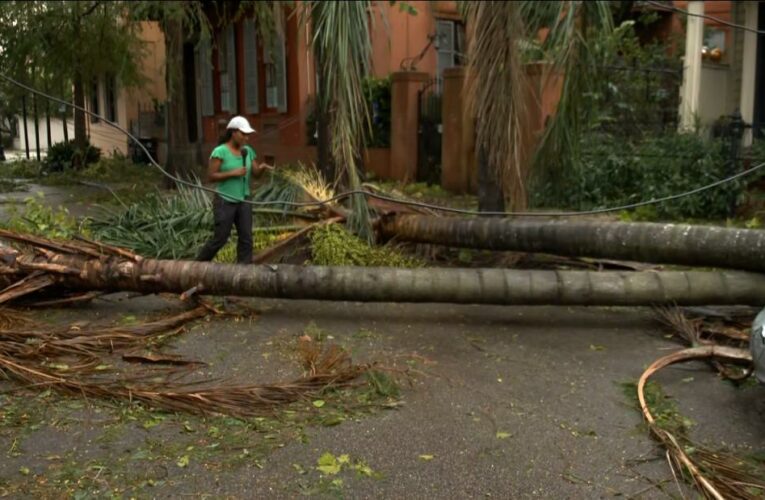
x: 411, y: 203
x: 672, y: 8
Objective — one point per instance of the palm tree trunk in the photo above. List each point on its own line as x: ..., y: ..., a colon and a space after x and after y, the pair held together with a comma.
x: 466, y: 286
x: 322, y: 120
x: 681, y: 244
x: 490, y: 195
x: 180, y: 159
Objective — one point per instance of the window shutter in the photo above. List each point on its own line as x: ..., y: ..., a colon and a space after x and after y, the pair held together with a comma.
x: 460, y: 48
x: 445, y: 32
x: 206, y: 71
x: 250, y: 67
x: 281, y: 73
x: 233, y: 105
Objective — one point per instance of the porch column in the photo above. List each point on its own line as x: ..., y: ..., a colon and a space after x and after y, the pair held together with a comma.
x: 456, y: 147
x: 749, y: 68
x: 694, y: 40
x: 403, y: 124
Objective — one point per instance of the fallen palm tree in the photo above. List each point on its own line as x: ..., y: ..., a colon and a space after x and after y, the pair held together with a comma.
x: 90, y: 360
x: 715, y: 474
x: 87, y: 267
x: 682, y: 244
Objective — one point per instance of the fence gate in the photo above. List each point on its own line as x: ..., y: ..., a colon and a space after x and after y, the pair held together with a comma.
x: 429, y: 130
x: 644, y: 99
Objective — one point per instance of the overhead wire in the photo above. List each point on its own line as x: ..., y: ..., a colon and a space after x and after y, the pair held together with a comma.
x: 678, y: 10
x: 412, y: 203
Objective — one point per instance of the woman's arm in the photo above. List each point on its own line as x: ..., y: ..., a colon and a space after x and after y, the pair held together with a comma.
x: 258, y: 169
x: 215, y: 175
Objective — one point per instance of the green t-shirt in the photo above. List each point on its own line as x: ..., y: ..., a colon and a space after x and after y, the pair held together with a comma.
x: 234, y: 188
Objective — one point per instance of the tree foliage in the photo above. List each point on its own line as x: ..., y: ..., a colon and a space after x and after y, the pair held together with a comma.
x: 499, y: 33
x: 60, y: 45
x: 341, y: 36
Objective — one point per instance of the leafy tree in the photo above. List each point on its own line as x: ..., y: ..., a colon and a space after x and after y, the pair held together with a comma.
x: 69, y: 43
x: 499, y: 31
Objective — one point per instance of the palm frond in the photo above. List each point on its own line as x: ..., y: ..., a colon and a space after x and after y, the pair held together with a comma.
x: 495, y: 91
x: 569, y: 49
x: 310, y: 180
x: 341, y: 35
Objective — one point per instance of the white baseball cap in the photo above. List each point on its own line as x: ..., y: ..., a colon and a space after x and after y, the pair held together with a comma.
x: 241, y: 124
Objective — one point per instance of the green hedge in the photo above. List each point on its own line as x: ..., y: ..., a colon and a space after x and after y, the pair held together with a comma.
x: 613, y: 172
x: 65, y: 155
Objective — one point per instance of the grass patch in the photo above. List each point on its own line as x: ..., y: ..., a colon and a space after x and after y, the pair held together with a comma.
x: 423, y: 192
x: 112, y: 170
x: 10, y: 186
x: 37, y: 218
x: 24, y: 169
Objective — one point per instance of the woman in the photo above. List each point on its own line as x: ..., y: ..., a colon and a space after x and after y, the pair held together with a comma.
x: 232, y: 164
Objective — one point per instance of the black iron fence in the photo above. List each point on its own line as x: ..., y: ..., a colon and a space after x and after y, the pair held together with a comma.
x: 429, y: 132
x: 637, y: 100
x: 30, y: 125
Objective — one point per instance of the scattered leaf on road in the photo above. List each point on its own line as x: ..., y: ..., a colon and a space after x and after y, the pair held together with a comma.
x: 327, y: 464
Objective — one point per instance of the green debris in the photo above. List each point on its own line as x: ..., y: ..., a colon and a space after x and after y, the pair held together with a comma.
x: 333, y: 245
x: 39, y: 219
x: 330, y: 465
x: 663, y: 407
x: 174, y: 226
x: 383, y: 384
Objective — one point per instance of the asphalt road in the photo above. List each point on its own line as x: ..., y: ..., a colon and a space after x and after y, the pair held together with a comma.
x: 508, y: 402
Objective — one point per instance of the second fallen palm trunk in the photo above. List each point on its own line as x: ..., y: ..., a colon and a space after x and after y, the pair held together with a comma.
x: 682, y: 244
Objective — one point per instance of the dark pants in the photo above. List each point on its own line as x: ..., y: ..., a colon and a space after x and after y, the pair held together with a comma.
x: 226, y: 215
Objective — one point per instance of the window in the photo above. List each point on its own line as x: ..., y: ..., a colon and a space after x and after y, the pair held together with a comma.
x: 227, y: 70
x: 94, y: 107
x: 262, y: 86
x: 206, y: 78
x: 251, y: 97
x: 276, y: 75
x: 111, y: 99
x: 450, y: 44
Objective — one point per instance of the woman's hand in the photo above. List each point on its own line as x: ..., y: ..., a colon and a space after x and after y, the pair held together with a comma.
x: 259, y: 169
